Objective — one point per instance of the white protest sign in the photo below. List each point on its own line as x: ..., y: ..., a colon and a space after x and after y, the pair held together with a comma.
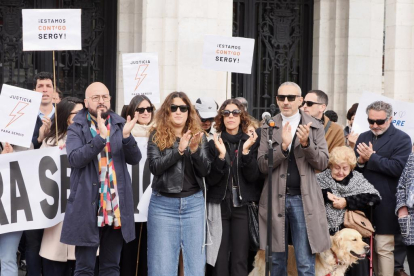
x: 35, y: 186
x: 402, y: 118
x: 141, y: 76
x: 51, y: 29
x: 18, y: 113
x: 232, y: 54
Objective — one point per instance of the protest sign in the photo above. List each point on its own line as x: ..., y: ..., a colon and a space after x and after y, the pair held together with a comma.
x: 51, y: 29
x: 232, y: 54
x: 35, y: 187
x: 18, y: 113
x: 402, y: 117
x: 141, y: 76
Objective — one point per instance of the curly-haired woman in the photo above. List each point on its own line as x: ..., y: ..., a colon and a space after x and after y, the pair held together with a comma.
x: 233, y: 183
x: 178, y: 159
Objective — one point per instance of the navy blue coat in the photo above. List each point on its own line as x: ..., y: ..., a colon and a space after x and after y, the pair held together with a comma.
x: 80, y: 223
x: 383, y: 170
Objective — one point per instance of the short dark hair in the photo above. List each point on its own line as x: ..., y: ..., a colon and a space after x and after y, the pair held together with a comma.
x: 322, y: 97
x: 332, y: 115
x: 42, y: 76
x: 352, y: 111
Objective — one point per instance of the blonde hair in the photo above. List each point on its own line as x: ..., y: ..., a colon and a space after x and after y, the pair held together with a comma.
x: 342, y: 154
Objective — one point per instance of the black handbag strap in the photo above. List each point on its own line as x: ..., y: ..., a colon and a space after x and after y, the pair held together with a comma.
x: 327, y: 126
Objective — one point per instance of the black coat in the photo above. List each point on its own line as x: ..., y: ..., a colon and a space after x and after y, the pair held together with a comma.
x: 383, y: 170
x: 250, y: 180
x: 167, y: 166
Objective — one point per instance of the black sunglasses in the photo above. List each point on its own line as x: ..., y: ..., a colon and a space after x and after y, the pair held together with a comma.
x: 183, y: 108
x: 141, y: 110
x: 207, y: 120
x: 310, y: 103
x: 291, y: 98
x: 236, y: 113
x: 378, y: 122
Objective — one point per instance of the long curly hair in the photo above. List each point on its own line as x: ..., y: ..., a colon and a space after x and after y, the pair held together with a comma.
x: 244, y: 116
x: 164, y: 136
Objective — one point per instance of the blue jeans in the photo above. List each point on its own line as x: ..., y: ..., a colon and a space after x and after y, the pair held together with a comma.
x: 174, y: 224
x: 295, y: 220
x: 8, y: 249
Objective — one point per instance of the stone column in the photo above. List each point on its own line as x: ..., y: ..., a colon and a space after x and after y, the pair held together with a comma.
x: 175, y: 30
x: 399, y: 50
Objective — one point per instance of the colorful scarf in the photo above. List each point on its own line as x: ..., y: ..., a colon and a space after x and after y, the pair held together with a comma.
x: 108, y: 212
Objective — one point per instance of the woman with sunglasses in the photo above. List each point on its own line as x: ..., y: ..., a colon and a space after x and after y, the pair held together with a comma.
x: 178, y: 158
x: 233, y: 184
x: 141, y: 104
x: 58, y: 258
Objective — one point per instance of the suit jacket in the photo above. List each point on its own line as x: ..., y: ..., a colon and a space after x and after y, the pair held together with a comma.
x: 383, y: 170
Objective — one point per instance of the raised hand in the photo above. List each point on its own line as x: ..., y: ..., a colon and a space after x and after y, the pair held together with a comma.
x: 303, y: 134
x: 365, y: 151
x: 129, y: 125
x: 286, y: 136
x: 7, y: 149
x: 218, y: 142
x: 249, y: 142
x: 103, y: 131
x: 195, y: 141
x: 44, y: 129
x: 184, y: 141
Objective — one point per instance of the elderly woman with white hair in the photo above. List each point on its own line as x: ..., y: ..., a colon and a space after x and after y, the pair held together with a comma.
x: 345, y: 189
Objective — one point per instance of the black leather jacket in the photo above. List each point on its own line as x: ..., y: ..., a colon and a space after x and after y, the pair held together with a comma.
x: 167, y: 166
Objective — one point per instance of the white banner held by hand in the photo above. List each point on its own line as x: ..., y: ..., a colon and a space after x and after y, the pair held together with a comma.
x: 51, y: 29
x: 141, y: 76
x: 402, y: 117
x: 232, y: 54
x: 18, y: 113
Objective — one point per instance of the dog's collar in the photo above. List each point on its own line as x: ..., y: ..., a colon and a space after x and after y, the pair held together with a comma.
x: 337, y: 263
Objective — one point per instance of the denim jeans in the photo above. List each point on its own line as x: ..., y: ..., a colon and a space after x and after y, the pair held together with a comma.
x: 8, y: 249
x: 174, y: 224
x: 295, y: 220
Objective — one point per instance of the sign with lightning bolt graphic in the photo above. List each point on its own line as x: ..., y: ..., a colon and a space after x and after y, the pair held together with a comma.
x: 19, y: 109
x: 141, y: 76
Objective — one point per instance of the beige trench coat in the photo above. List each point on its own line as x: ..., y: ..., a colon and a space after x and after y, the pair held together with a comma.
x: 314, y: 157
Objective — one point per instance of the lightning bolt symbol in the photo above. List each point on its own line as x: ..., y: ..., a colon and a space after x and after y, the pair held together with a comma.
x: 17, y: 112
x: 140, y: 76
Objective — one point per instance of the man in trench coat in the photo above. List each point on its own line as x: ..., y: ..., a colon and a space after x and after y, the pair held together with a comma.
x: 99, y: 145
x: 299, y: 148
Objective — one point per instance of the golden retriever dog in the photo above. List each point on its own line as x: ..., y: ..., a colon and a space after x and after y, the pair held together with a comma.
x: 347, y: 248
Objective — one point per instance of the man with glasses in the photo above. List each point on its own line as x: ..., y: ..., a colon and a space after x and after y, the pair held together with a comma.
x: 207, y: 109
x: 315, y: 105
x: 382, y: 153
x: 100, y: 208
x: 299, y: 148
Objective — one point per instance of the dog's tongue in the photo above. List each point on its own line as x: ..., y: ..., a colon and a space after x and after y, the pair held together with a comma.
x: 363, y: 255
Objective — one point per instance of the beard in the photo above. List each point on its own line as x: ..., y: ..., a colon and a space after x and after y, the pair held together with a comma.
x: 94, y: 112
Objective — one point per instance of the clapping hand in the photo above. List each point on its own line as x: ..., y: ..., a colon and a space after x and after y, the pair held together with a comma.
x: 103, y: 131
x: 195, y: 141
x: 303, y: 134
x: 352, y: 138
x: 364, y: 152
x: 249, y: 142
x: 44, y: 129
x: 218, y: 142
x: 184, y: 141
x: 286, y: 136
x: 129, y: 125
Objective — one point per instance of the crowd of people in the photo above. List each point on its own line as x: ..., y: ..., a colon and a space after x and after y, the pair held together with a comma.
x: 210, y: 166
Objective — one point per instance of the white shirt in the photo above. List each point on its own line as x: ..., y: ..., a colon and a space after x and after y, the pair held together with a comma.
x: 293, y: 122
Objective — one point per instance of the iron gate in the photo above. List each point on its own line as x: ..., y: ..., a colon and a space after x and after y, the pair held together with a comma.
x: 75, y: 70
x: 282, y: 30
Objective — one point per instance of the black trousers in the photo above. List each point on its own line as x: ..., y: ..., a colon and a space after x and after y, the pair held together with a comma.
x: 130, y: 253
x: 235, y: 240
x: 410, y: 258
x: 33, y: 259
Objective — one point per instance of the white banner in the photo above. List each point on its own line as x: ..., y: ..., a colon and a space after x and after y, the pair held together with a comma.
x: 18, y: 113
x: 52, y: 29
x: 141, y: 76
x: 232, y: 54
x: 402, y: 118
x: 35, y: 186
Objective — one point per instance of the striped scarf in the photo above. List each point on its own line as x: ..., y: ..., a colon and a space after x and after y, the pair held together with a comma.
x: 108, y: 212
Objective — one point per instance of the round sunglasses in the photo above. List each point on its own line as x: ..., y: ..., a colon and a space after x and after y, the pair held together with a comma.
x: 226, y: 113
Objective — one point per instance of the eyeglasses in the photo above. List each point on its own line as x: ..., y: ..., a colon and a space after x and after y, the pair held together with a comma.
x: 105, y: 98
x: 291, y: 98
x: 141, y: 110
x: 236, y: 113
x: 378, y: 122
x: 206, y: 120
x: 310, y: 103
x: 183, y: 108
